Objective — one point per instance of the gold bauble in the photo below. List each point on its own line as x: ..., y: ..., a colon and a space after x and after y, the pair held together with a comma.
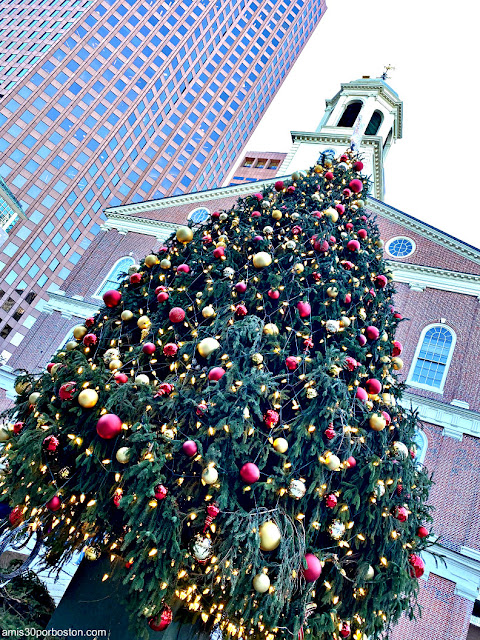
x: 207, y: 346
x: 123, y: 455
x: 20, y: 387
x: 379, y: 243
x: 332, y: 214
x: 33, y: 397
x: 397, y: 363
x: 70, y: 346
x: 280, y: 445
x: 262, y: 259
x: 184, y: 235
x: 55, y: 368
x: 370, y: 574
x: 384, y: 337
x: 142, y: 379
x: 377, y: 422
x: 385, y: 359
x: 388, y: 399
x: 318, y: 168
x: 165, y: 263
x: 332, y: 292
x: 270, y: 329
x: 261, y: 583
x: 5, y: 434
x: 208, y: 312
x: 332, y: 462
x: 270, y: 536
x: 276, y: 214
x: 87, y: 398
x: 257, y: 358
x: 210, y: 475
x: 92, y: 553
x: 143, y: 322
x: 345, y: 322
x: 115, y: 364
x: 298, y: 268
x: 79, y: 331
x: 126, y: 315
x: 151, y: 260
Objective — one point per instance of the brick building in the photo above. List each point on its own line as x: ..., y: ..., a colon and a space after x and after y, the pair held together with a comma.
x: 438, y: 287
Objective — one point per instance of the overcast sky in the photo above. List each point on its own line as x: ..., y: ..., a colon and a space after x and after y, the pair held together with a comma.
x: 433, y: 172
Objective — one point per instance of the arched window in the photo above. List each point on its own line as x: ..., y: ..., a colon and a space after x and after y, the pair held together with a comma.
x: 421, y: 442
x: 388, y: 141
x: 350, y: 114
x: 199, y: 215
x: 432, y: 358
x: 68, y: 337
x: 115, y: 276
x: 374, y: 124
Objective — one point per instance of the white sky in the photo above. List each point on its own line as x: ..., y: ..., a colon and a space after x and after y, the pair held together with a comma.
x: 433, y: 172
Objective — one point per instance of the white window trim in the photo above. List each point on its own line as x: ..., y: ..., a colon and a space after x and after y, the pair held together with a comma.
x: 353, y: 99
x: 107, y: 277
x: 189, y: 217
x: 419, y: 459
x: 387, y: 246
x: 66, y: 339
x: 420, y: 385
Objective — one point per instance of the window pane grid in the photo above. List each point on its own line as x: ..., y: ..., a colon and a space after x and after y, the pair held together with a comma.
x: 115, y: 276
x: 433, y: 357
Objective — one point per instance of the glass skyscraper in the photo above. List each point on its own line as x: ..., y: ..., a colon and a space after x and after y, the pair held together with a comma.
x: 135, y: 100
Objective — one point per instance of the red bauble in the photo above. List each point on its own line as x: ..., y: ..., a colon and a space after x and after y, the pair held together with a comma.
x: 241, y: 310
x: 316, y: 276
x: 189, y: 447
x: 296, y: 230
x: 381, y: 281
x: 417, y: 564
x: 54, y: 504
x: 351, y: 364
x: 216, y: 373
x: 304, y: 309
x: 258, y: 196
x: 206, y: 239
x: 401, y: 514
x: 109, y: 426
x: 291, y: 363
x: 112, y: 298
x: 357, y: 166
x: 351, y: 461
x: 322, y: 246
x: 397, y: 315
x: 345, y: 630
x: 353, y: 245
x: 347, y: 299
x: 90, y: 340
x: 274, y: 294
x: 271, y: 418
x: 349, y: 226
x: 361, y: 339
x: 176, y: 315
x: 374, y: 386
x: 397, y: 348
x: 399, y: 489
x: 170, y: 349
x: 241, y: 287
x: 422, y: 532
x: 314, y: 568
x: 216, y: 214
x: 148, y: 348
x: 160, y: 492
x: 257, y: 238
x: 279, y: 185
x: 250, y: 473
x: 387, y: 417
x: 362, y: 233
x: 15, y: 517
x: 50, y: 365
x: 162, y: 296
x: 256, y: 214
x: 18, y: 426
x: 340, y: 208
x: 219, y: 252
x: 164, y: 389
x: 67, y: 390
x: 372, y: 333
x: 120, y: 378
x: 89, y: 322
x: 361, y: 394
x: 183, y: 268
x: 331, y: 501
x: 135, y: 278
x: 356, y: 185
x: 162, y: 621
x: 329, y: 175
x: 346, y: 193
x: 291, y: 189
x: 330, y: 433
x: 201, y: 410
x: 50, y: 443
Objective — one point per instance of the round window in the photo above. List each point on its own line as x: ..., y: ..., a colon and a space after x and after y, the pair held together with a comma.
x: 199, y: 215
x: 400, y: 247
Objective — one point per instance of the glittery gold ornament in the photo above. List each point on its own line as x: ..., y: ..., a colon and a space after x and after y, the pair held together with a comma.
x: 257, y: 358
x: 184, y: 235
x: 165, y: 263
x: 270, y: 536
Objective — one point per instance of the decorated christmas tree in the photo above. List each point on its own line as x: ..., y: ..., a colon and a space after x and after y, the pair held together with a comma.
x: 229, y: 426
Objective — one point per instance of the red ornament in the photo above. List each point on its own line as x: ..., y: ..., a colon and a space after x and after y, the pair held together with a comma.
x: 399, y: 489
x: 89, y: 322
x: 256, y: 214
x: 340, y: 208
x: 201, y: 410
x: 362, y: 233
x: 314, y: 568
x: 206, y: 239
x: 361, y: 394
x: 17, y: 427
x: 112, y: 298
x: 216, y: 373
x: 291, y: 189
x: 216, y: 214
x: 279, y: 185
x: 296, y: 230
x: 162, y: 621
x: 164, y: 389
x: 361, y: 339
x: 120, y: 378
x: 308, y: 343
x: 387, y: 417
x: 241, y: 287
x: 170, y: 349
x: 331, y: 501
x: 374, y: 386
x: 241, y: 310
x: 372, y: 333
x: 351, y: 461
x: 109, y: 426
x: 54, y: 504
x: 117, y: 497
x: 15, y: 516
x: 274, y: 294
x: 162, y: 296
x: 219, y: 252
x: 356, y: 185
x: 401, y: 514
x: 291, y: 363
x: 329, y: 175
x: 183, y: 268
x: 346, y: 193
x: 135, y: 278
x: 350, y: 363
x: 348, y: 298
x: 316, y: 276
x: 353, y: 245
x: 397, y: 315
x: 322, y: 246
x: 304, y: 309
x: 258, y: 196
x: 148, y: 348
x: 190, y: 448
x: 417, y: 564
x: 50, y: 366
x: 422, y: 532
x: 349, y: 226
x: 330, y: 432
x: 357, y: 166
x: 160, y: 492
x: 90, y: 340
x: 176, y: 315
x: 213, y: 511
x: 67, y: 390
x: 250, y: 473
x: 397, y: 348
x: 50, y: 443
x: 271, y: 418
x: 381, y: 281
x: 345, y: 630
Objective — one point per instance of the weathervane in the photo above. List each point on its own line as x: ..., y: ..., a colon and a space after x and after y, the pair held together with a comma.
x: 387, y: 68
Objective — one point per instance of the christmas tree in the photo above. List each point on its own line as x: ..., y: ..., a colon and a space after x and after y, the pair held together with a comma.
x: 229, y: 425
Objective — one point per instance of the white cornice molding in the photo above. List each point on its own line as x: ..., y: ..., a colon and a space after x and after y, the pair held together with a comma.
x: 358, y: 87
x: 7, y: 381
x: 423, y: 229
x: 419, y: 277
x: 461, y: 567
x: 126, y: 223
x: 69, y: 307
x: 456, y: 421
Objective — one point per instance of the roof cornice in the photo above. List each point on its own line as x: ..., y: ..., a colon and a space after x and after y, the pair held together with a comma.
x: 69, y: 307
x: 419, y: 277
x: 391, y: 98
x: 126, y: 223
x: 461, y: 567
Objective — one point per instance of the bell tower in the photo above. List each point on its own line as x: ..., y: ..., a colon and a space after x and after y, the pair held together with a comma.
x: 365, y: 113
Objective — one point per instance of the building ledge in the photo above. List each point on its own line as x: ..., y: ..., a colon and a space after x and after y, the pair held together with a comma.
x: 456, y: 421
x: 461, y: 567
x: 69, y: 307
x: 420, y: 277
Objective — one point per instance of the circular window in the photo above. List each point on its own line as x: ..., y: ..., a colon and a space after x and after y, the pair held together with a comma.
x: 199, y: 215
x: 400, y: 247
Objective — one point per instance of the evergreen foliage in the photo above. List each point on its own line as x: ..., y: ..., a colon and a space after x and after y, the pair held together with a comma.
x: 321, y: 377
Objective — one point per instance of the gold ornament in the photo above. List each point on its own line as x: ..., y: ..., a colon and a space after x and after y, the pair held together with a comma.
x: 257, y: 358
x: 388, y: 399
x: 311, y: 393
x: 87, y: 398
x: 115, y: 364
x: 270, y: 329
x: 332, y: 461
x: 377, y: 422
x: 92, y: 553
x: 151, y: 260
x: 261, y: 583
x: 298, y: 268
x: 318, y: 168
x: 142, y: 379
x: 262, y: 259
x: 143, y: 322
x: 210, y: 475
x: 345, y: 322
x: 20, y: 387
x: 208, y: 312
x: 184, y: 235
x: 5, y: 435
x: 270, y: 536
x: 276, y: 214
x: 384, y: 337
x: 332, y: 214
x: 33, y: 397
x: 207, y: 346
x: 70, y: 346
x: 55, y: 368
x: 280, y: 445
x: 165, y: 263
x: 126, y: 315
x: 332, y: 292
x: 123, y: 455
x: 397, y: 363
x: 79, y: 332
